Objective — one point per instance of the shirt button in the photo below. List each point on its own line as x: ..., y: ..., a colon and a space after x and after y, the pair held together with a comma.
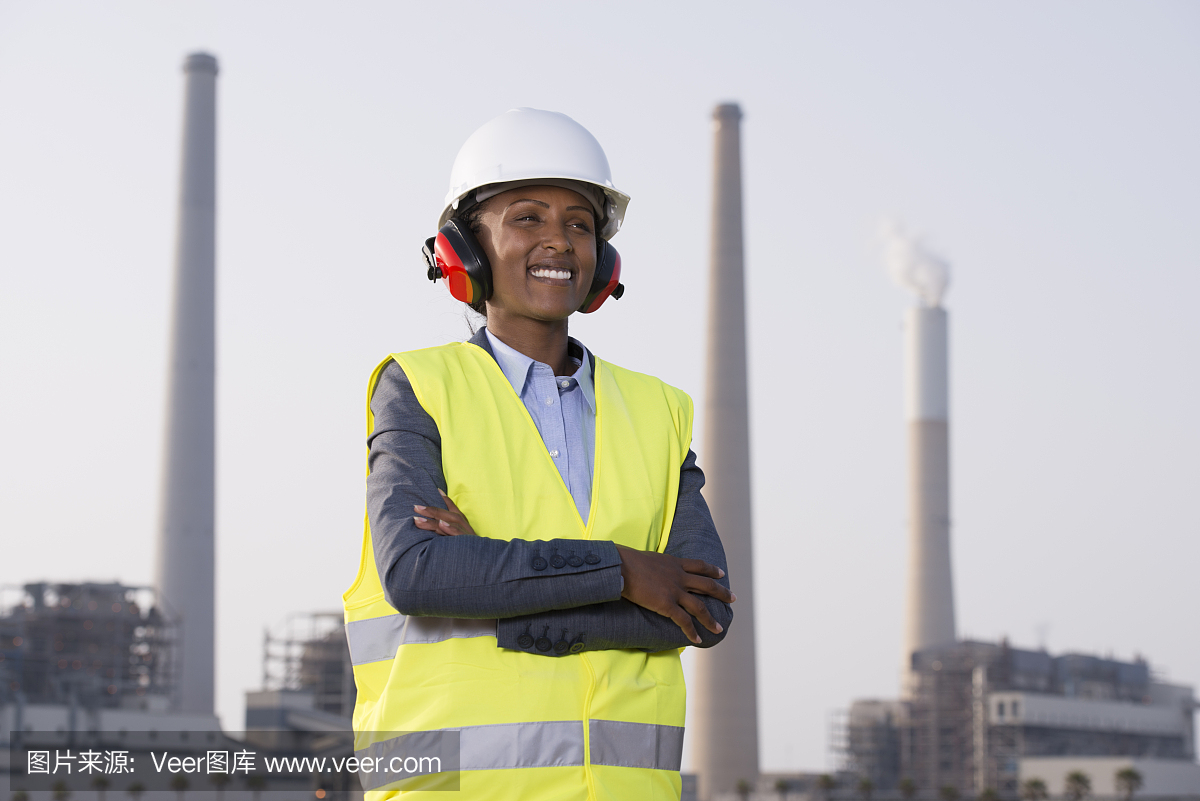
x: 574, y: 561
x: 525, y: 641
x: 538, y: 563
x: 554, y: 453
x: 591, y: 559
x: 565, y: 384
x: 549, y: 401
x: 557, y: 562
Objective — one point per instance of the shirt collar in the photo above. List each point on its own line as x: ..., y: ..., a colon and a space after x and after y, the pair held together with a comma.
x: 516, y: 366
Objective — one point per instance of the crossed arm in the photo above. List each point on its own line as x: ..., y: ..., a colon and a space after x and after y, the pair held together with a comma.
x: 626, y: 599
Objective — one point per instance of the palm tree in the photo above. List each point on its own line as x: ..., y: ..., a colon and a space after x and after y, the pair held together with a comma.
x: 908, y: 788
x: 948, y: 792
x: 219, y: 780
x: 1078, y: 785
x: 61, y: 793
x: 179, y: 783
x: 781, y: 787
x: 743, y: 789
x: 135, y: 790
x: 1129, y: 781
x: 100, y: 784
x: 1034, y: 790
x: 257, y: 784
x: 865, y: 788
x: 826, y: 783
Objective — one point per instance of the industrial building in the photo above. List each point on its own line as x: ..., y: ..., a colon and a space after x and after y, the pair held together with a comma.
x: 979, y: 714
x: 307, y: 685
x: 105, y: 664
x: 977, y: 717
x: 84, y: 647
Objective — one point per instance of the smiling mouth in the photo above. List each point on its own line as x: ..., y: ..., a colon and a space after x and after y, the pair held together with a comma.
x: 550, y: 274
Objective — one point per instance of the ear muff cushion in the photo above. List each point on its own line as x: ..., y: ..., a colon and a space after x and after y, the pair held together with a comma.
x: 465, y: 268
x: 606, y: 278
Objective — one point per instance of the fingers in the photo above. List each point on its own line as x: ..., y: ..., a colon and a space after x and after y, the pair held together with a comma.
x: 696, y: 607
x: 711, y: 588
x: 443, y: 521
x: 701, y: 568
x: 436, y: 526
x: 450, y: 504
x: 684, y: 621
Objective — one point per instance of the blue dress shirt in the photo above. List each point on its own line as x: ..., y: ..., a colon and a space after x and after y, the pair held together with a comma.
x: 564, y: 410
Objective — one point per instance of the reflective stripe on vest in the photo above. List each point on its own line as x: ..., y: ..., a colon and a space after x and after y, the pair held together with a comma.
x: 545, y: 744
x: 377, y: 638
x: 635, y: 745
x: 605, y: 724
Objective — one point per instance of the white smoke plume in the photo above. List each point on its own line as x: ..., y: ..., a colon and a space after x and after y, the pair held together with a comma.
x: 912, y: 265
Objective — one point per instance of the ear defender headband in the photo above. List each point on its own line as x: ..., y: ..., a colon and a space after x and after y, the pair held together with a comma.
x: 455, y: 256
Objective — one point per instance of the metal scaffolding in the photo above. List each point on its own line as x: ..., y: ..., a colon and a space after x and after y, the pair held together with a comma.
x: 89, y: 644
x: 309, y: 652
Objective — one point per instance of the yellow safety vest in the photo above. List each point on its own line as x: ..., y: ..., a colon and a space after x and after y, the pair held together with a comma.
x: 591, y: 725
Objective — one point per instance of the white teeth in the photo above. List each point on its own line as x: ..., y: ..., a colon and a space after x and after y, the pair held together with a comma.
x: 543, y: 272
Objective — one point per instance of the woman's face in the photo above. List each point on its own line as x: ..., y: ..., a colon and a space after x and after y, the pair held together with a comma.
x: 541, y: 242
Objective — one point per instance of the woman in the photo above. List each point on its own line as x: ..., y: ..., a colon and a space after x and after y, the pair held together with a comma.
x: 537, y: 549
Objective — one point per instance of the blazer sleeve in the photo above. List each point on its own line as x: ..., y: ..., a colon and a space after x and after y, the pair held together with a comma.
x: 427, y: 574
x: 622, y: 623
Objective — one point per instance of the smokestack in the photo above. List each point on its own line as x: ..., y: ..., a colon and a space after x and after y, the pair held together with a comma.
x: 930, y: 606
x: 930, y: 591
x: 724, y: 703
x: 185, y: 559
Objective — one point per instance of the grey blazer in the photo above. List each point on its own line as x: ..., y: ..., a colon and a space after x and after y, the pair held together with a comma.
x: 425, y: 574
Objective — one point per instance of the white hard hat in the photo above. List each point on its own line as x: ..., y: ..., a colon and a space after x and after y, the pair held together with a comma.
x: 526, y: 145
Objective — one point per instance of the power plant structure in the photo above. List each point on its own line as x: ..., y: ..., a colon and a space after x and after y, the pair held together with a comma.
x: 984, y: 716
x: 930, y: 608
x: 307, y: 696
x: 86, y: 663
x: 185, y: 566
x: 74, y: 654
x: 95, y: 658
x: 724, y: 701
x: 308, y: 653
x: 975, y: 717
x: 105, y: 668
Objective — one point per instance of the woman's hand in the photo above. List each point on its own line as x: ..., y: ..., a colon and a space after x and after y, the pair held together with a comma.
x: 669, y: 586
x: 449, y: 521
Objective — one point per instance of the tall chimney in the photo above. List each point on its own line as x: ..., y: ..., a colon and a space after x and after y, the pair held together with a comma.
x: 930, y: 618
x: 724, y: 702
x: 185, y: 559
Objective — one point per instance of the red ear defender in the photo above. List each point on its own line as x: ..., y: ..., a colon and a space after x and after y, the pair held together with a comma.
x: 607, y: 279
x: 454, y: 255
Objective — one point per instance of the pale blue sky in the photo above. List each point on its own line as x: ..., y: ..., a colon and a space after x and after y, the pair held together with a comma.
x: 1048, y: 151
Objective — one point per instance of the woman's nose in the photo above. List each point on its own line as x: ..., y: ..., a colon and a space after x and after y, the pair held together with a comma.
x: 557, y: 238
